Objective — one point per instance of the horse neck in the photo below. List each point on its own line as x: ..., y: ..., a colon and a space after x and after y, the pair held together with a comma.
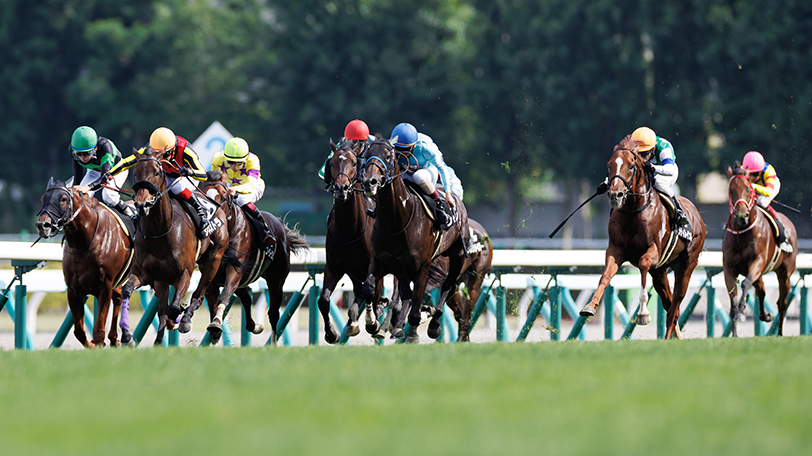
x: 80, y: 231
x: 159, y: 220
x: 350, y: 212
x: 390, y: 206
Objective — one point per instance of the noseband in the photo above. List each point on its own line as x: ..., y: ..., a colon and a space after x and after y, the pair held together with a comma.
x: 149, y: 186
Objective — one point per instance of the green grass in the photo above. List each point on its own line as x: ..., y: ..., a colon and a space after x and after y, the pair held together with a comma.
x: 717, y: 396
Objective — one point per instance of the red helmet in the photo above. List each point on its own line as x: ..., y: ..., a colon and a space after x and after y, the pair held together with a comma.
x: 356, y: 130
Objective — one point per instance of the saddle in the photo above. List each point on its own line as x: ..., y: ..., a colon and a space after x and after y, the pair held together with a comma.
x: 259, y: 231
x: 430, y: 205
x: 124, y: 221
x: 773, y: 223
x: 211, y: 208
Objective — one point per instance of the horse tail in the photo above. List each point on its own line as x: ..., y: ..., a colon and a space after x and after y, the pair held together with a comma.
x: 230, y: 257
x: 296, y: 240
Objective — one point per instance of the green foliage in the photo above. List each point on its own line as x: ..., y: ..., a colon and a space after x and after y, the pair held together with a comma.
x: 547, y: 86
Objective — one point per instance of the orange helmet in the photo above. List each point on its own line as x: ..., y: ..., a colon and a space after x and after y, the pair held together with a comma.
x: 356, y: 130
x: 162, y: 139
x: 646, y: 137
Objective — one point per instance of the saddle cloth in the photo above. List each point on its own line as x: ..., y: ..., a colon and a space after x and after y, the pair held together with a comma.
x: 211, y: 208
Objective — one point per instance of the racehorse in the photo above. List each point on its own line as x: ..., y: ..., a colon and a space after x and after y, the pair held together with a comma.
x: 95, y: 259
x: 749, y: 249
x: 166, y: 243
x: 474, y: 270
x: 405, y: 239
x: 640, y: 233
x: 244, y: 262
x: 349, y: 240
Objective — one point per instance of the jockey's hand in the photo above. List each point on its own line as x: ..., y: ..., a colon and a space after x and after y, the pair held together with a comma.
x: 450, y: 198
x: 231, y: 191
x: 108, y: 177
x: 184, y: 171
x: 649, y: 167
x: 82, y: 188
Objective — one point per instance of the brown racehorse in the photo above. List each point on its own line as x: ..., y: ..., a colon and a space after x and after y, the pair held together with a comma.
x: 166, y: 243
x: 245, y: 261
x: 96, y: 256
x: 349, y: 240
x: 405, y: 240
x: 640, y: 233
x: 474, y: 270
x: 749, y: 249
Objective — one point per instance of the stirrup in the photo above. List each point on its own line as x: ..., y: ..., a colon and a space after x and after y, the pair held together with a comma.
x: 785, y: 247
x: 370, y: 212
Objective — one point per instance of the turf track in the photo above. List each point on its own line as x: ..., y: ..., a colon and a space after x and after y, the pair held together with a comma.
x: 703, y: 396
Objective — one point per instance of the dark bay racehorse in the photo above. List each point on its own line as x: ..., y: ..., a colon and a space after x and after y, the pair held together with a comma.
x: 349, y: 240
x: 166, y: 243
x: 749, y: 249
x: 244, y: 262
x: 474, y: 270
x: 405, y: 240
x: 96, y: 256
x: 640, y: 233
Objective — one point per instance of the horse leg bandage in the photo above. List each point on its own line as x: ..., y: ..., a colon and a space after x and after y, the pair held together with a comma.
x: 124, y: 323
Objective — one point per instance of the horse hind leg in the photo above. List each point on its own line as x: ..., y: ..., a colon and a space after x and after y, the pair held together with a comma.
x: 330, y: 332
x: 112, y: 335
x: 124, y: 323
x: 372, y: 325
x: 763, y: 315
x: 77, y: 309
x: 247, y: 302
x: 784, y: 286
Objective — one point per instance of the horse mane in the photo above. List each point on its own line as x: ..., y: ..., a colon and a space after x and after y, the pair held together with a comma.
x: 627, y: 143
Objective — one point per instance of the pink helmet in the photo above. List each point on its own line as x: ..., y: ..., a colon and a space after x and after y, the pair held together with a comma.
x: 753, y: 162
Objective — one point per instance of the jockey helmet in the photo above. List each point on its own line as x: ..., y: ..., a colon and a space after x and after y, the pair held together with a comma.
x: 162, y: 139
x: 646, y: 137
x: 356, y: 130
x: 236, y: 150
x: 84, y: 139
x: 406, y: 133
x: 753, y: 162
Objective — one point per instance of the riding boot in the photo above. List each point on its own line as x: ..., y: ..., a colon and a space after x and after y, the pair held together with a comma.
x: 684, y: 229
x: 781, y: 239
x: 442, y: 214
x: 126, y: 209
x: 268, y: 239
x: 201, y: 211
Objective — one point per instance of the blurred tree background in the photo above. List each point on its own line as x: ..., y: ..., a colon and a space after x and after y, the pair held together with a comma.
x: 516, y: 93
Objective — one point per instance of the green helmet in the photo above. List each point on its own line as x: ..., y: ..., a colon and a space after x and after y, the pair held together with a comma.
x: 83, y: 139
x: 236, y: 150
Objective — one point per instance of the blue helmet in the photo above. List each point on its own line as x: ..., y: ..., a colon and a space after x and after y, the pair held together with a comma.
x: 406, y: 133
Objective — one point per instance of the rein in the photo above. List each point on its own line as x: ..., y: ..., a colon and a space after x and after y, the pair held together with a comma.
x: 749, y: 204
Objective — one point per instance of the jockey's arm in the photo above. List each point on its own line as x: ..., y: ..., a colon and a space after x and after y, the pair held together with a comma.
x: 252, y: 174
x: 667, y: 158
x: 124, y: 164
x: 192, y: 162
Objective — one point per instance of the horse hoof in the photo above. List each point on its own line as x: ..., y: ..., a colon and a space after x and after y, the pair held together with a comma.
x: 415, y: 339
x: 353, y: 329
x: 587, y: 311
x: 185, y: 324
x: 258, y: 329
x: 643, y: 320
x: 373, y: 328
x: 767, y: 318
x: 379, y: 336
x: 127, y: 339
x: 215, y: 328
x: 434, y: 330
x: 331, y: 338
x: 397, y: 334
x: 173, y: 312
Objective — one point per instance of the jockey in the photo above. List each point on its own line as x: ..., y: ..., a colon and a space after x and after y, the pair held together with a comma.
x: 97, y: 155
x: 766, y: 184
x: 431, y: 167
x: 660, y: 150
x: 179, y: 161
x: 244, y: 181
x: 356, y: 131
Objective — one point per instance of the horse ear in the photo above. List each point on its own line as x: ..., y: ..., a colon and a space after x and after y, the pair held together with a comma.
x: 50, y: 183
x: 393, y: 140
x: 729, y: 172
x: 69, y: 182
x: 333, y: 146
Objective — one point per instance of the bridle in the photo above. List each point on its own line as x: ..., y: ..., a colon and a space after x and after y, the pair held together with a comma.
x: 229, y: 199
x: 749, y: 203
x: 149, y: 186
x: 635, y: 167
x: 334, y: 189
x: 60, y: 220
x: 388, y: 167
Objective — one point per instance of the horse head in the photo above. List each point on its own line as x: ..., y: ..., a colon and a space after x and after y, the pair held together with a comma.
x: 379, y: 165
x: 150, y: 180
x: 625, y: 174
x: 341, y: 172
x: 57, y: 208
x: 741, y: 194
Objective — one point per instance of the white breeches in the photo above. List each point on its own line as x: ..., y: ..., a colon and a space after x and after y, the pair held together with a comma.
x: 178, y: 184
x: 110, y: 197
x: 245, y: 198
x: 424, y: 178
x: 663, y: 183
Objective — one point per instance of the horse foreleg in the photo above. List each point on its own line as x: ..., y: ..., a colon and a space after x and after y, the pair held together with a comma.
x: 275, y: 296
x: 76, y: 304
x: 112, y: 335
x: 328, y: 285
x: 669, y: 301
x: 371, y: 314
x: 101, y: 319
x: 418, y: 294
x: 406, y: 297
x: 217, y: 312
x: 162, y: 293
x: 763, y: 315
x: 613, y: 262
x: 732, y: 294
x: 132, y: 284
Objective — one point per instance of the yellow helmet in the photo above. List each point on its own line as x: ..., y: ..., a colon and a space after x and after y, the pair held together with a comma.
x: 162, y: 139
x: 236, y: 150
x: 646, y: 137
